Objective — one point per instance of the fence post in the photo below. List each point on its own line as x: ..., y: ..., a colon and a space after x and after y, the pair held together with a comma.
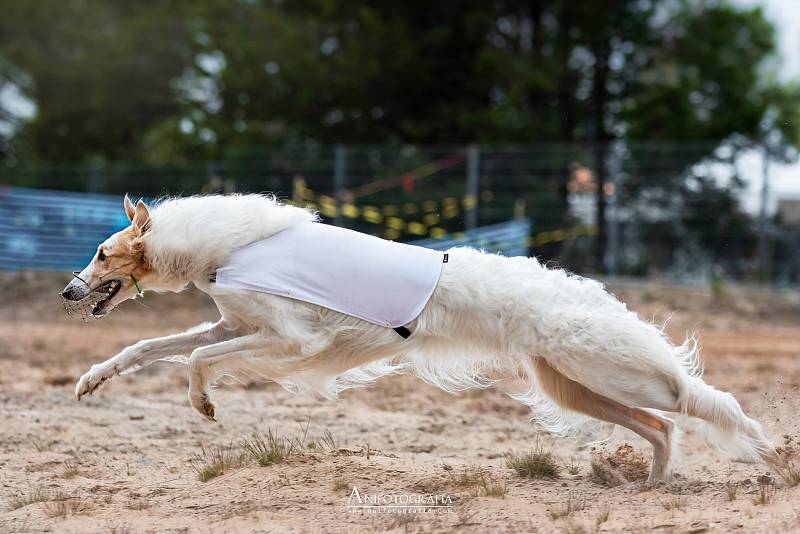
x: 763, y: 243
x: 214, y: 182
x: 612, y: 213
x: 339, y: 177
x: 471, y: 198
x: 93, y: 179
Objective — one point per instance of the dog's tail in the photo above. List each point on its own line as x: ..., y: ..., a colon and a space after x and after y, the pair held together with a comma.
x: 729, y: 428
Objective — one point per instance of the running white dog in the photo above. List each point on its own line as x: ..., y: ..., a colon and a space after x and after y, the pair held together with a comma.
x: 581, y: 349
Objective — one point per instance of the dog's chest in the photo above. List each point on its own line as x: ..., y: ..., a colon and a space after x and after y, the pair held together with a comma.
x: 379, y: 281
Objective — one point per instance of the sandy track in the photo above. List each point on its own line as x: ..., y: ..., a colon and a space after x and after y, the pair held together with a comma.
x: 132, y: 442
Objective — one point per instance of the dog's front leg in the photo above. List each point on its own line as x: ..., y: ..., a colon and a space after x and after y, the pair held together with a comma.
x: 147, y: 351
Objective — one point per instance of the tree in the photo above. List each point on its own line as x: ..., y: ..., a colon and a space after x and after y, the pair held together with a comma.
x: 101, y: 72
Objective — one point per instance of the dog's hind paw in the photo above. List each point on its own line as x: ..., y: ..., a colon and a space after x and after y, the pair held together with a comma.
x: 92, y: 379
x: 203, y: 404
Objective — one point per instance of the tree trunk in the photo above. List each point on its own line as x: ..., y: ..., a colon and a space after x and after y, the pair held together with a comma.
x: 601, y: 139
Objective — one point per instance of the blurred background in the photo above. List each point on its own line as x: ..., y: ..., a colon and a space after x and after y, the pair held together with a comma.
x: 629, y: 138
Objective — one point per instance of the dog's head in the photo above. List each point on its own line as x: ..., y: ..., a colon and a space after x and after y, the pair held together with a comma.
x: 119, y: 269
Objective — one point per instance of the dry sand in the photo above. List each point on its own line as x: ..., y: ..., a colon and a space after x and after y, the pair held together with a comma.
x: 121, y: 461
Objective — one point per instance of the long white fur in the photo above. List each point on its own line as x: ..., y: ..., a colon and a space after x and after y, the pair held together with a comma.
x: 488, y: 318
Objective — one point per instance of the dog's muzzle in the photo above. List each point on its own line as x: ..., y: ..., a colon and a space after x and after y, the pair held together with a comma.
x: 84, y: 303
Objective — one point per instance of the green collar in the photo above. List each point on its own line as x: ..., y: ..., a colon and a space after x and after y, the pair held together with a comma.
x: 139, y: 290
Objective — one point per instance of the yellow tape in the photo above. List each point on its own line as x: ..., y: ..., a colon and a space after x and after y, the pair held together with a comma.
x: 417, y: 228
x: 395, y: 223
x: 431, y: 219
x: 350, y: 211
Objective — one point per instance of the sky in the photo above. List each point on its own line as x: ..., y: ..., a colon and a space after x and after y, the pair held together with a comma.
x: 784, y: 180
x: 785, y: 15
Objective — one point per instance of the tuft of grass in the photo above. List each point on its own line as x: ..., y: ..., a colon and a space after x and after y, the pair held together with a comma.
x: 40, y: 445
x: 482, y: 483
x: 765, y: 493
x: 267, y: 449
x: 574, y: 503
x: 64, y: 506
x: 56, y: 509
x: 466, y: 477
x: 340, y: 484
x: 602, y: 517
x: 731, y: 489
x: 492, y: 487
x: 137, y: 503
x: 536, y: 463
x: 790, y: 474
x: 328, y: 442
x: 216, y: 461
x: 34, y: 495
x: 573, y: 467
x: 69, y: 469
x: 675, y: 503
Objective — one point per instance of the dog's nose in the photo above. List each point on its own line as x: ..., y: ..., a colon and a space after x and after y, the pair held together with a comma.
x: 67, y: 293
x: 75, y: 290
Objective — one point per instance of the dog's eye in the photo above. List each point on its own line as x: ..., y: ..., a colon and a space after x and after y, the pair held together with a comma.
x: 101, y: 256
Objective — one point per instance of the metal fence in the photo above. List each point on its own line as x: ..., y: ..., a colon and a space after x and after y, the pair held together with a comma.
x: 668, y: 209
x: 59, y: 231
x: 54, y: 230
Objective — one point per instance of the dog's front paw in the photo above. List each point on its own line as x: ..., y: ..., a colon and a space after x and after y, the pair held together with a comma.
x: 202, y: 404
x: 92, y: 379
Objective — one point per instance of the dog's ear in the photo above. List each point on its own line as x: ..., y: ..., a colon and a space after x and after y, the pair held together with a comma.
x: 130, y: 211
x: 141, y: 218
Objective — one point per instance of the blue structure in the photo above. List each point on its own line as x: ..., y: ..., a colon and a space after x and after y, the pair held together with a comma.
x: 509, y: 238
x: 54, y: 230
x: 60, y: 230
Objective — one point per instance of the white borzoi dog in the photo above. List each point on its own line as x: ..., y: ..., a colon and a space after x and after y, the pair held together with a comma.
x: 581, y: 350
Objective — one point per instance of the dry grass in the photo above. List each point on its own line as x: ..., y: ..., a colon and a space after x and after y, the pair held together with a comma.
x: 675, y: 503
x: 328, y: 442
x: 136, y: 502
x: 41, y: 445
x: 536, y: 463
x: 216, y: 461
x: 340, y: 484
x: 790, y: 474
x: 56, y: 509
x: 69, y: 469
x: 482, y: 483
x: 268, y: 449
x: 34, y: 495
x: 573, y: 467
x: 574, y: 503
x: 66, y: 506
x: 466, y: 477
x: 731, y: 489
x: 602, y: 517
x: 765, y: 492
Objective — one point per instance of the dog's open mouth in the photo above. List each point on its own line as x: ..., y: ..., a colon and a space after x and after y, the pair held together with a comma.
x: 106, y: 291
x: 95, y: 304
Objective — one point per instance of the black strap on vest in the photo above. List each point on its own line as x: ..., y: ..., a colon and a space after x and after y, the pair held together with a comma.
x: 403, y: 331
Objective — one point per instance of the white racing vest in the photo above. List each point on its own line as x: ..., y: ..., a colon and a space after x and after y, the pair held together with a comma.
x: 379, y: 281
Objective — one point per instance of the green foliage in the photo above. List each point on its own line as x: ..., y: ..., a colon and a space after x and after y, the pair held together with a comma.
x: 170, y: 81
x: 100, y: 73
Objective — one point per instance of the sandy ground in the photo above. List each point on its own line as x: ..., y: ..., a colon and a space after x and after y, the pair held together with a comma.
x: 121, y: 461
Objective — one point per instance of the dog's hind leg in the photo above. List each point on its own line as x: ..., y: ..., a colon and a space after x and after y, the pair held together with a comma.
x: 573, y: 396
x: 270, y: 352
